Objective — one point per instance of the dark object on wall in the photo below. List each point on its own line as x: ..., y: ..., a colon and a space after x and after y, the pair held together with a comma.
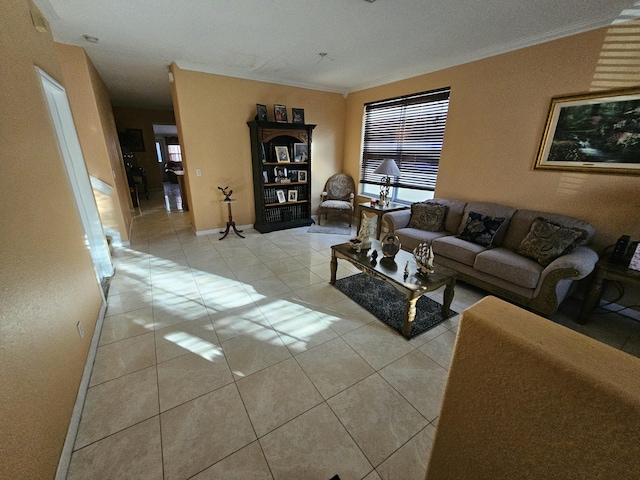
x: 131, y: 139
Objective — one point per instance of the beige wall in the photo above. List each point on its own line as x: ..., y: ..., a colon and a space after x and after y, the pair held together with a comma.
x: 47, y: 282
x: 91, y: 108
x: 498, y: 109
x: 143, y: 119
x: 212, y: 113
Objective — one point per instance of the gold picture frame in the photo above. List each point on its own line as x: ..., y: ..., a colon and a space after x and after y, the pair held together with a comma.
x: 593, y: 132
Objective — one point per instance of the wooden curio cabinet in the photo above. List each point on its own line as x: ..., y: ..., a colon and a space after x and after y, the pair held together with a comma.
x: 281, y: 159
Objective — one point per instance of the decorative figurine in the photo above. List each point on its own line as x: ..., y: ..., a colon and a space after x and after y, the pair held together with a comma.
x: 367, y: 230
x: 423, y: 254
x: 227, y: 195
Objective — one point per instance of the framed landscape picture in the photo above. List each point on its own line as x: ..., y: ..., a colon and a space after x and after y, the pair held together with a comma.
x: 593, y: 132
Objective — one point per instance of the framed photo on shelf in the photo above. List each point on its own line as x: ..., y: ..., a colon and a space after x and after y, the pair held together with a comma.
x: 281, y: 196
x: 300, y: 152
x: 280, y: 174
x: 302, y: 176
x: 280, y: 112
x: 282, y: 154
x: 593, y: 132
x: 292, y: 195
x: 262, y: 112
x: 298, y: 115
x: 293, y: 175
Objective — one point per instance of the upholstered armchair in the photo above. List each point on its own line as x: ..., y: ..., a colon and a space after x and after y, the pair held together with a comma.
x: 337, y: 197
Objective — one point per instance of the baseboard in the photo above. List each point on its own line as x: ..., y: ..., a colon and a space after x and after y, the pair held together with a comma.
x: 74, y: 424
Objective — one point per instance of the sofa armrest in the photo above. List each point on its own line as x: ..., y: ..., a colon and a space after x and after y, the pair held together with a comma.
x: 581, y: 259
x: 572, y: 266
x: 397, y: 220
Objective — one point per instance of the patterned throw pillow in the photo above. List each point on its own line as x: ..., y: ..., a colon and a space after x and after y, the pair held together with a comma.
x: 547, y: 241
x: 428, y: 216
x: 480, y: 229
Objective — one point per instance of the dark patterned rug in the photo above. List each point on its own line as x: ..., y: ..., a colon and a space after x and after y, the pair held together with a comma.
x: 386, y: 303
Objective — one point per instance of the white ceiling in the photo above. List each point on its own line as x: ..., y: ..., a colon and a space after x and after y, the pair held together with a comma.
x: 280, y: 41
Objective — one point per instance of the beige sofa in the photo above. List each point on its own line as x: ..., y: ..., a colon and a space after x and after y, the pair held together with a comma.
x: 515, y: 265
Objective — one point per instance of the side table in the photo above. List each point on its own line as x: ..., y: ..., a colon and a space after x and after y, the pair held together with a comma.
x: 378, y: 210
x: 230, y: 223
x: 605, y: 270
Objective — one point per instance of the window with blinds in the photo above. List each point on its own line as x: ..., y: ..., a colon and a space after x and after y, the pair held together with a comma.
x: 409, y: 130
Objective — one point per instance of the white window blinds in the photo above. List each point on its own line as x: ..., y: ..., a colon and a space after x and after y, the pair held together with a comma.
x: 410, y: 130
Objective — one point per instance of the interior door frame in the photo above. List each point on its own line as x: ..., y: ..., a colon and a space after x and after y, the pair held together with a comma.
x: 65, y: 129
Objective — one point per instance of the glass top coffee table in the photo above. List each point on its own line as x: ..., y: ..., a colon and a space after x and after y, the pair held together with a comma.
x: 391, y: 271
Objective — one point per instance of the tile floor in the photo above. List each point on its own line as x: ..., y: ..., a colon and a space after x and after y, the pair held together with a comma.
x: 236, y: 359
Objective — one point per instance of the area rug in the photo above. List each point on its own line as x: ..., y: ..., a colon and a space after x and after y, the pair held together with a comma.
x: 387, y: 304
x: 330, y: 226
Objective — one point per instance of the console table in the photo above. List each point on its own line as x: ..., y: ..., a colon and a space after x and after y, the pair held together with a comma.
x: 605, y: 270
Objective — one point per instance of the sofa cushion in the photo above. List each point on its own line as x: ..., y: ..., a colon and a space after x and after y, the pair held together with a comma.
x: 412, y: 237
x: 508, y: 265
x: 523, y: 219
x: 427, y: 216
x: 481, y: 229
x: 489, y: 210
x: 457, y: 249
x: 547, y: 241
x: 454, y: 214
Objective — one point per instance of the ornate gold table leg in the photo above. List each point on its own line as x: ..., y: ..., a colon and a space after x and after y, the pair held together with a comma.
x: 409, y: 315
x: 448, y: 297
x: 334, y: 268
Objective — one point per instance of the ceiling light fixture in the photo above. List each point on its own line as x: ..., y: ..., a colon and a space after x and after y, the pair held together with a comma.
x: 90, y: 39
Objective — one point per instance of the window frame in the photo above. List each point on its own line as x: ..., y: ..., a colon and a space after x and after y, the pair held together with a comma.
x: 419, y: 120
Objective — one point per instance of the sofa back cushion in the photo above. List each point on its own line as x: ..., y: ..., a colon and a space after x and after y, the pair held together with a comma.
x: 428, y: 216
x: 487, y: 209
x: 454, y: 213
x: 547, y: 241
x: 523, y: 219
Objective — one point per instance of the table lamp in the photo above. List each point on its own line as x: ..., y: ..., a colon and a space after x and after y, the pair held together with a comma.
x: 388, y: 168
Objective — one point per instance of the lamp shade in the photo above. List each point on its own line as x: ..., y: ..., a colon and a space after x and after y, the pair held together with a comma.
x: 388, y: 167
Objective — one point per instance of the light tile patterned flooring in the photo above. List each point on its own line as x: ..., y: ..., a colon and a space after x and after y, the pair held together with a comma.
x: 236, y: 359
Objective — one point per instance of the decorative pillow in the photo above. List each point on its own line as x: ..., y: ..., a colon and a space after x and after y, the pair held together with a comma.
x: 428, y: 216
x: 480, y: 229
x: 547, y: 241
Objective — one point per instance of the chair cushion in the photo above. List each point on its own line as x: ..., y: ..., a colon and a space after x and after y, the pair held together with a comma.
x: 508, y: 265
x: 427, y: 216
x: 481, y: 229
x: 547, y: 241
x: 336, y: 205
